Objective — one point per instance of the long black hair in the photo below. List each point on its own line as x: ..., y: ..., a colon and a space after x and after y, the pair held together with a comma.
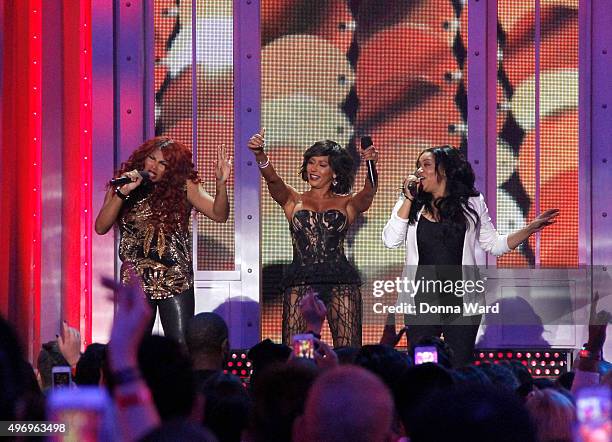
x: 340, y: 161
x: 453, y: 208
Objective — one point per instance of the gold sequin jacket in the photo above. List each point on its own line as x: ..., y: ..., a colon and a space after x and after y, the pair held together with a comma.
x: 160, y: 255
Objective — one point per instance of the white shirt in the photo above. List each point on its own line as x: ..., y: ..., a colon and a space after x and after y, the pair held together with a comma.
x: 398, y: 232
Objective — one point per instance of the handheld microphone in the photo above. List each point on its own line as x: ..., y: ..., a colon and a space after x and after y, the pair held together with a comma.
x: 372, y: 174
x: 126, y: 179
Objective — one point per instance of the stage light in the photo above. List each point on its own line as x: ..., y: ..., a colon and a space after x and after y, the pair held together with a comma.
x: 539, y: 363
x: 238, y: 358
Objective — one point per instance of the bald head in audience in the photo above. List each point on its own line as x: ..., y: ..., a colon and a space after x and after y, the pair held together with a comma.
x: 346, y: 404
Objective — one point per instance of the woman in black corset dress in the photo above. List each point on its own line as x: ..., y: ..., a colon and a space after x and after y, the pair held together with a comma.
x: 441, y: 219
x: 318, y: 221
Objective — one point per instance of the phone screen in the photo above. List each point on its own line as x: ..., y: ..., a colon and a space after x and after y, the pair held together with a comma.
x: 61, y: 379
x: 423, y: 355
x: 83, y: 425
x: 303, y: 346
x: 86, y: 412
x: 593, y: 410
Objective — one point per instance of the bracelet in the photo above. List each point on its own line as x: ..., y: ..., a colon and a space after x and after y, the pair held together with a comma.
x: 125, y: 376
x: 264, y: 164
x: 407, y: 197
x: 585, y: 353
x: 123, y: 196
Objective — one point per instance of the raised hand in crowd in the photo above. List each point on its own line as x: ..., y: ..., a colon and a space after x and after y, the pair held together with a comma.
x: 324, y: 356
x: 137, y: 414
x: 390, y: 337
x: 598, y: 323
x: 313, y: 311
x: 69, y: 343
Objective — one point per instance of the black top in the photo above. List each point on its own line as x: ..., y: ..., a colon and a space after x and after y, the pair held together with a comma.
x: 318, y: 250
x: 439, y: 244
x: 440, y: 250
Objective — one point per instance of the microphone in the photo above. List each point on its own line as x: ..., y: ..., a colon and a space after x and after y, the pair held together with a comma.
x: 126, y: 179
x: 372, y: 174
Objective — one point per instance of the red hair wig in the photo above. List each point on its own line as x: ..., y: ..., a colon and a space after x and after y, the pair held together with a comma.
x: 168, y: 200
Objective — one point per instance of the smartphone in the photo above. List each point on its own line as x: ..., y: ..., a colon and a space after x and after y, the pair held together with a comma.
x: 86, y: 412
x: 422, y: 355
x: 304, y: 346
x: 61, y: 376
x: 593, y: 410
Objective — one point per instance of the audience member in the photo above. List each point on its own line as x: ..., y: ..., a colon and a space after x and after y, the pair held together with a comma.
x: 49, y: 357
x: 20, y: 395
x: 501, y: 376
x: 346, y: 404
x: 279, y: 396
x: 472, y: 413
x: 415, y: 386
x: 470, y: 375
x: 226, y: 408
x: 265, y: 354
x: 207, y: 340
x: 383, y: 361
x: 89, y: 367
x: 167, y: 370
x: 553, y: 414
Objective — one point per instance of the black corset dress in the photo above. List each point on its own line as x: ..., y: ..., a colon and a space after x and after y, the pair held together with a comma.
x: 318, y: 250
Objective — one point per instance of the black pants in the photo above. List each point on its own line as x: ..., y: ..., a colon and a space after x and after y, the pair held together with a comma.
x: 175, y: 313
x: 459, y: 331
x: 459, y: 337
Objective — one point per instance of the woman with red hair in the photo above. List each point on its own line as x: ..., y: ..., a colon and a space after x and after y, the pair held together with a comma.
x: 153, y: 218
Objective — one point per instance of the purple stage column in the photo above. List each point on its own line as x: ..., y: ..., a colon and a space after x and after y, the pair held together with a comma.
x: 103, y: 164
x: 601, y: 148
x: 52, y: 172
x: 247, y: 119
x: 481, y: 86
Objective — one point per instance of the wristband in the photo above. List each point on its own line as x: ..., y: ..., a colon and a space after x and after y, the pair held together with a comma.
x: 139, y: 397
x: 585, y: 353
x: 125, y: 376
x: 121, y: 195
x: 406, y: 196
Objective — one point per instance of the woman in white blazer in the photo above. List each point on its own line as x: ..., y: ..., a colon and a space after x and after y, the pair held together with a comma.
x: 441, y: 220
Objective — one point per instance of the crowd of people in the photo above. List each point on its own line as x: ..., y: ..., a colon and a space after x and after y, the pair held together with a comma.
x: 162, y: 389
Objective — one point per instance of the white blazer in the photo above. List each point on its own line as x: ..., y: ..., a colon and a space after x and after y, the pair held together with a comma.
x: 398, y: 232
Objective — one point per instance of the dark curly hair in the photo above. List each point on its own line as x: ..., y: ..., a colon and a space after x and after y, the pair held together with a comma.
x: 168, y: 201
x: 453, y: 208
x: 340, y: 161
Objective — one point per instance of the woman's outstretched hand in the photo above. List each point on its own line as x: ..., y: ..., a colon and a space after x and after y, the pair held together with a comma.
x: 544, y: 219
x: 257, y: 142
x: 223, y: 166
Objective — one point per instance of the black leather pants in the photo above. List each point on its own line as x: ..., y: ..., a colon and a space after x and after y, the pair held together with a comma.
x: 175, y: 313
